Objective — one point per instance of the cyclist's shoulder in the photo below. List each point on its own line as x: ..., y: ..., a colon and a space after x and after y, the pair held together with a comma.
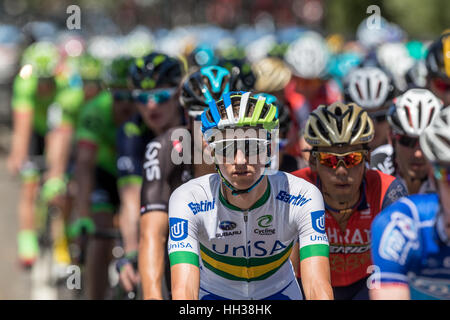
x: 376, y: 178
x: 305, y: 173
x: 293, y: 189
x: 100, y: 103
x: 417, y: 208
x: 197, y: 189
x: 25, y: 85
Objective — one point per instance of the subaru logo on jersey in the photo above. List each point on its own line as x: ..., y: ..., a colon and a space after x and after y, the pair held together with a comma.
x: 227, y: 225
x: 201, y: 206
x: 318, y: 221
x: 178, y: 229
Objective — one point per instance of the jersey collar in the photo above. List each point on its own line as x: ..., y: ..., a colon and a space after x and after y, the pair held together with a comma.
x: 257, y: 204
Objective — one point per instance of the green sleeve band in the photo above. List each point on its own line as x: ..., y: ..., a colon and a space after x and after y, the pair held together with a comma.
x: 314, y: 250
x: 183, y: 257
x: 131, y: 179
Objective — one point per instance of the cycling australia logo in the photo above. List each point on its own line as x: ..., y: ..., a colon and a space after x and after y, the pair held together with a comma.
x: 228, y: 229
x: 318, y: 221
x: 178, y: 229
x: 265, y: 222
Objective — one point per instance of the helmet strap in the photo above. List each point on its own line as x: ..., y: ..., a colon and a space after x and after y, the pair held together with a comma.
x: 235, y: 191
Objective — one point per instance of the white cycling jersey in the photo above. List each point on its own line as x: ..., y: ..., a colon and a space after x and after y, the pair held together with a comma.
x: 244, y: 254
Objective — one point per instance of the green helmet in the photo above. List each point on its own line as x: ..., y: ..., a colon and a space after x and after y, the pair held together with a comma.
x: 90, y: 67
x: 116, y: 73
x: 43, y: 57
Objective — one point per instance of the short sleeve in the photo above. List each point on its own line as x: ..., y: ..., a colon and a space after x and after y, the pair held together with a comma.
x: 310, y: 216
x: 183, y: 245
x: 395, y: 242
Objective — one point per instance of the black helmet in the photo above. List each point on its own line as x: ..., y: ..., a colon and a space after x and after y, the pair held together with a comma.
x: 156, y: 69
x: 242, y: 76
x: 438, y: 57
x: 116, y: 73
x: 209, y: 83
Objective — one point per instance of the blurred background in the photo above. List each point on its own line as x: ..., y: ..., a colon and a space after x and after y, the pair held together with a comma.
x: 234, y: 27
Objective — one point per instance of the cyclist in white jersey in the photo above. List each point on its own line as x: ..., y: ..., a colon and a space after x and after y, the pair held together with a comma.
x: 231, y: 233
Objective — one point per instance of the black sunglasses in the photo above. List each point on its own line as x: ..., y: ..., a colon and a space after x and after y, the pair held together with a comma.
x: 410, y: 142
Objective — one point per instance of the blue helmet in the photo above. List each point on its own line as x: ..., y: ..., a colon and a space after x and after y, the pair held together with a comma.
x: 209, y: 83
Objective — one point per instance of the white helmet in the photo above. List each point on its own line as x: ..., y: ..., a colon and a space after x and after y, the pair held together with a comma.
x: 308, y: 56
x: 368, y: 87
x: 394, y: 57
x: 435, y: 141
x: 413, y: 111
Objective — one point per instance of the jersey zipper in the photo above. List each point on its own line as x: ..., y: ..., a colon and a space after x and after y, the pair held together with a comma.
x: 247, y: 258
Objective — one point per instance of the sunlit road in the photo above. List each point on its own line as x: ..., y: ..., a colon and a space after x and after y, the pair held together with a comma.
x: 15, y: 283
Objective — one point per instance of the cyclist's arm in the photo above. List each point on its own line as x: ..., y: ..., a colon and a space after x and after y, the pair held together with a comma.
x: 390, y: 292
x: 58, y: 142
x: 313, y: 244
x: 155, y: 193
x: 129, y: 215
x: 316, y: 279
x: 185, y: 281
x: 62, y: 122
x: 23, y: 104
x: 22, y: 127
x: 129, y: 167
x: 88, y: 139
x: 393, y: 246
x: 183, y: 246
x: 152, y: 246
x: 84, y: 177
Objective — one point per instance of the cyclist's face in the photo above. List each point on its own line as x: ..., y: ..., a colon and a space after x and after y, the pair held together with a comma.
x: 158, y: 115
x: 441, y: 88
x: 46, y: 87
x: 341, y: 184
x: 381, y: 127
x: 124, y: 106
x: 410, y: 159
x: 242, y: 171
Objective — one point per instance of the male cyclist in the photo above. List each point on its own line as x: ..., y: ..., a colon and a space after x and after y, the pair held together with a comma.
x: 309, y: 87
x: 438, y: 67
x: 353, y: 194
x: 411, y: 238
x: 35, y: 88
x: 272, y: 76
x: 156, y: 78
x: 372, y: 89
x: 410, y: 114
x: 96, y: 198
x: 163, y: 175
x: 231, y: 233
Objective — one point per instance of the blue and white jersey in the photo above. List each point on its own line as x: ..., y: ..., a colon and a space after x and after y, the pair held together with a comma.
x: 409, y: 246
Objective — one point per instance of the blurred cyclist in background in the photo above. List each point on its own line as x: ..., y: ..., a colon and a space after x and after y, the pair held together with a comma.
x: 438, y: 67
x: 96, y: 198
x: 308, y: 58
x: 35, y: 88
x: 353, y: 194
x: 372, y: 89
x: 410, y: 114
x: 411, y: 238
x: 156, y: 78
x: 162, y: 175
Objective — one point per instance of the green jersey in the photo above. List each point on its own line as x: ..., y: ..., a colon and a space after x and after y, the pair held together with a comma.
x: 96, y: 127
x: 61, y: 105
